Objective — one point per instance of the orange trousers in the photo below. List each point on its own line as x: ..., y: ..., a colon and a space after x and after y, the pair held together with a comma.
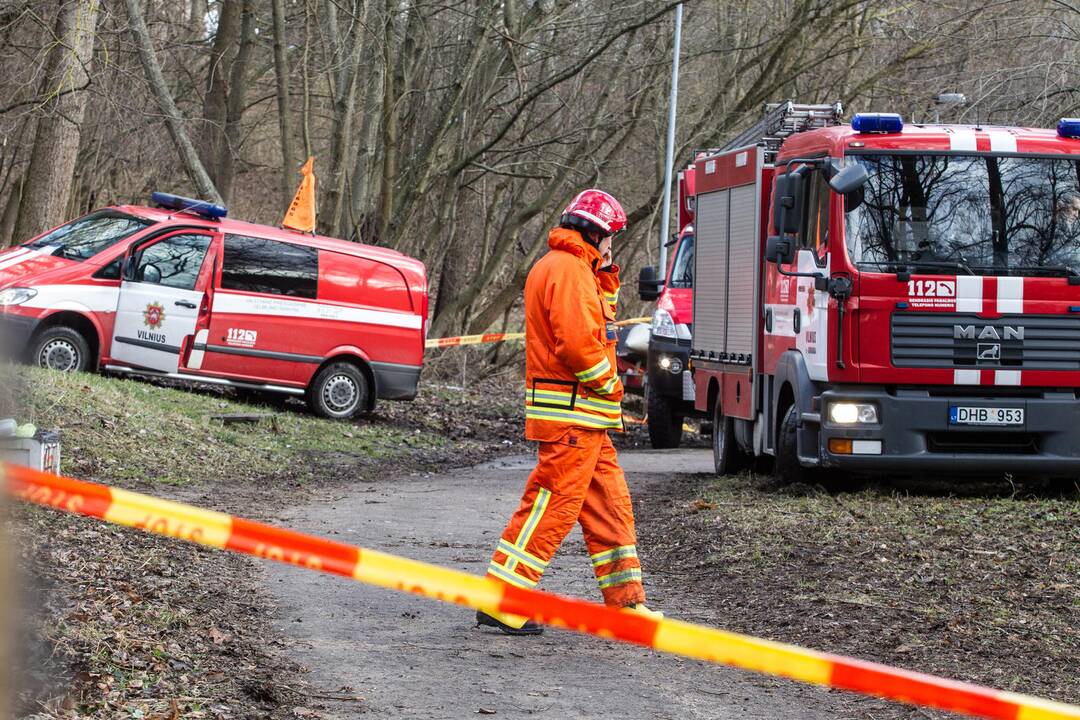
x: 577, y: 479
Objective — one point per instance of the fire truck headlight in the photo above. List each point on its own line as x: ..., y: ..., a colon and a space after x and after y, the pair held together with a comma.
x: 843, y: 413
x: 663, y: 325
x: 16, y: 296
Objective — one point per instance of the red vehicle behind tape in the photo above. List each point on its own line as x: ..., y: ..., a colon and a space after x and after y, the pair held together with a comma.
x: 179, y: 291
x: 880, y: 296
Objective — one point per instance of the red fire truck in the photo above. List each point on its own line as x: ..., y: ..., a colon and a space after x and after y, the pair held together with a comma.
x: 669, y: 388
x: 883, y: 296
x: 180, y: 291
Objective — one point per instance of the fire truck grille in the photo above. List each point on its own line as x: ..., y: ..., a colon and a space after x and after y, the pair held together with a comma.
x: 954, y: 340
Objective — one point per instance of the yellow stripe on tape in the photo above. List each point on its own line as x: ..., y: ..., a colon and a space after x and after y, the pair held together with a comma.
x: 732, y: 649
x: 422, y: 579
x: 1032, y: 708
x: 168, y: 518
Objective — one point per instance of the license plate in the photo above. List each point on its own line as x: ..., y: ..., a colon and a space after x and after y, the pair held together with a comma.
x: 959, y: 415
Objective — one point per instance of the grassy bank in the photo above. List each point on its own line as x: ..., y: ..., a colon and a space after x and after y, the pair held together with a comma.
x: 974, y: 583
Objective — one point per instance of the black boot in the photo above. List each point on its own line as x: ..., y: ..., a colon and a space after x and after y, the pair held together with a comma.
x: 529, y: 628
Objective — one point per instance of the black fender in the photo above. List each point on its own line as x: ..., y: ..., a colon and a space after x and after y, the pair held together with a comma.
x: 791, y: 371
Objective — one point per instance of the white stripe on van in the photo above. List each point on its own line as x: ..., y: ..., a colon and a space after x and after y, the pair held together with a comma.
x: 1010, y: 295
x: 15, y: 258
x: 237, y: 304
x: 81, y: 298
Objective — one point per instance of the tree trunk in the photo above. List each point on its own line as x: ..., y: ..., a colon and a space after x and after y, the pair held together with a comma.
x: 214, y: 145
x: 56, y: 142
x: 174, y: 121
x: 281, y: 69
x: 11, y: 211
x: 389, y: 128
x: 342, y: 129
x: 235, y: 104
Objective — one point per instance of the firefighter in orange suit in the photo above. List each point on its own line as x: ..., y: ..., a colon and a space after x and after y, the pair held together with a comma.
x: 572, y: 399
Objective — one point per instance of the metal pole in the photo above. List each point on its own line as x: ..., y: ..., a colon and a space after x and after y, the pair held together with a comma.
x: 669, y: 155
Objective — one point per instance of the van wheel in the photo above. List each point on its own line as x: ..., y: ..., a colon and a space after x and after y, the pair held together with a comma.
x: 786, y: 468
x: 339, y: 392
x: 728, y: 457
x: 61, y: 348
x: 665, y: 423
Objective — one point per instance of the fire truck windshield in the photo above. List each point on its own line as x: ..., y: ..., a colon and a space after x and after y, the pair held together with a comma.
x: 966, y: 214
x: 682, y: 271
x: 83, y: 238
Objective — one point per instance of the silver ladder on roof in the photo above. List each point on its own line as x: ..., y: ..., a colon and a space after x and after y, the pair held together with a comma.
x: 782, y: 120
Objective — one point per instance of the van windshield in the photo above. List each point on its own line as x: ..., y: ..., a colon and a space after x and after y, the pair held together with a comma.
x: 966, y: 214
x: 86, y: 237
x: 682, y: 270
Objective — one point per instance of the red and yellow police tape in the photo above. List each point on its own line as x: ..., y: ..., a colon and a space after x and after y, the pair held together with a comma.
x: 499, y: 337
x: 219, y: 530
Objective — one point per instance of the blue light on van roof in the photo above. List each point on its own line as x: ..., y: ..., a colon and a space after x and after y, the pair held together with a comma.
x: 210, y: 211
x: 1069, y: 127
x: 877, y: 123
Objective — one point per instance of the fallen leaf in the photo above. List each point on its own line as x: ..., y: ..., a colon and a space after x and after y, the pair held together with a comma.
x: 703, y: 505
x: 219, y: 637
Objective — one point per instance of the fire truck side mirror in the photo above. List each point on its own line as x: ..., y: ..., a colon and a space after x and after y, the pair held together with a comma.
x: 649, y: 284
x: 788, y: 202
x: 850, y: 179
x: 780, y: 249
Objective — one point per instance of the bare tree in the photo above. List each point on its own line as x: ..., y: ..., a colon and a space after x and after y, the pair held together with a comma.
x: 47, y: 187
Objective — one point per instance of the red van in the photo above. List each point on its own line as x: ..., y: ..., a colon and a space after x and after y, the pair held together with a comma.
x: 182, y: 292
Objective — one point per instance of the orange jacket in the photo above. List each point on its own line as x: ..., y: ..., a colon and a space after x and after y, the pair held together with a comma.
x: 570, y: 372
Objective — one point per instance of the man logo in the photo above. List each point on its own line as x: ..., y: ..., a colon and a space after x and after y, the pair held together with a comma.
x: 988, y: 332
x: 989, y: 352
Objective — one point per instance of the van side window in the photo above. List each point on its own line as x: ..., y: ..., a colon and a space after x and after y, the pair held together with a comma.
x: 269, y: 266
x: 174, y: 262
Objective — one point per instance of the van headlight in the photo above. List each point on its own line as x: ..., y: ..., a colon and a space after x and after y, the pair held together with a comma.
x: 663, y: 325
x: 846, y: 413
x: 15, y: 296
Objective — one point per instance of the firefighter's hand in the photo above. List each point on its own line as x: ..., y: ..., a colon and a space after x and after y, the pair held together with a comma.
x: 616, y: 394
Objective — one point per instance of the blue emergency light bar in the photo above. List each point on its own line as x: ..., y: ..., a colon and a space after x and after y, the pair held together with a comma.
x: 877, y: 123
x: 1069, y: 127
x: 210, y: 211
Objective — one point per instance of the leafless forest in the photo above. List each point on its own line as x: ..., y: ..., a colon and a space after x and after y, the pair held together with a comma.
x: 454, y: 130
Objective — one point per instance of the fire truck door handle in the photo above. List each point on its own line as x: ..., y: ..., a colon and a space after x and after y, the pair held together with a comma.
x: 796, y: 321
x: 768, y: 321
x: 185, y: 304
x: 840, y: 333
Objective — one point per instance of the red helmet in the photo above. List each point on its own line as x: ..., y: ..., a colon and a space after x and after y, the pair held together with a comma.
x: 597, y: 209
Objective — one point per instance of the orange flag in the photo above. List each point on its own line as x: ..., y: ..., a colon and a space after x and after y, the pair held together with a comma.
x: 301, y: 214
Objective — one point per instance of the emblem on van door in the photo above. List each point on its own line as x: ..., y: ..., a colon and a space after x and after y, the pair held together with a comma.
x: 988, y: 332
x: 154, y: 315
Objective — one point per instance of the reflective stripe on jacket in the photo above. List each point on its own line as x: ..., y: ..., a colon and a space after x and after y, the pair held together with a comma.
x: 571, y: 378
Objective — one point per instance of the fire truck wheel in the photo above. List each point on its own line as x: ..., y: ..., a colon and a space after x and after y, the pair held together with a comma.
x: 728, y: 457
x: 339, y: 392
x: 665, y: 423
x: 786, y: 467
x: 61, y: 348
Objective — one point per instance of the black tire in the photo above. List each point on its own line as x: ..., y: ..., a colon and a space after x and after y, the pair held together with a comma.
x: 340, y: 391
x: 61, y: 348
x: 665, y: 421
x: 728, y: 457
x: 786, y: 467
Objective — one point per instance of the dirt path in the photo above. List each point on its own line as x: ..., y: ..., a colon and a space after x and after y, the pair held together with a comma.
x: 409, y: 657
